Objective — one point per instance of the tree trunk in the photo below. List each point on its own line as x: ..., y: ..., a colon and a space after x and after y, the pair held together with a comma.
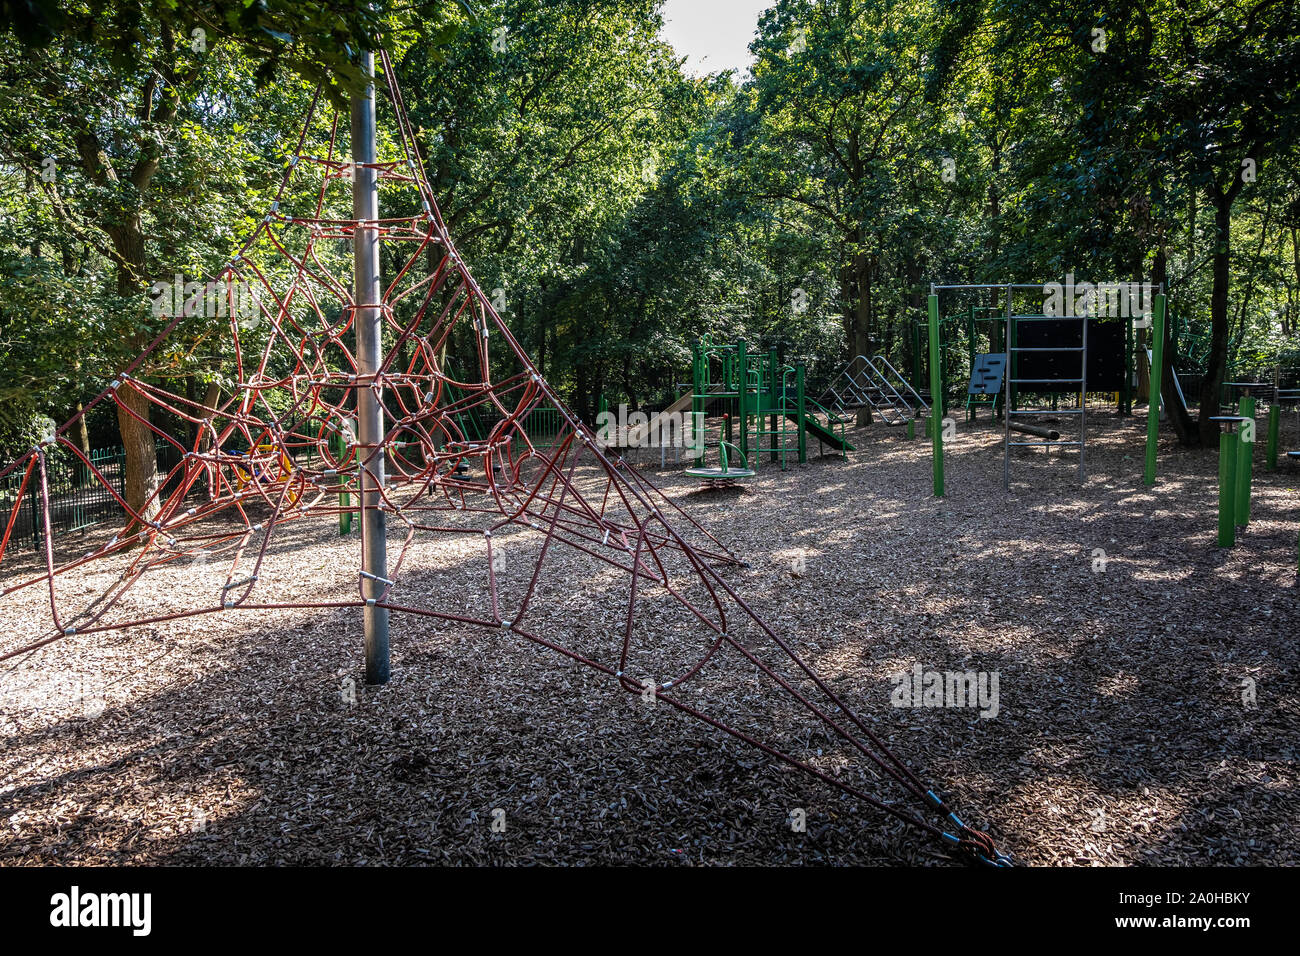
x: 1142, y: 337
x: 1181, y: 421
x: 141, y: 479
x: 83, y: 432
x: 915, y: 308
x: 1217, y: 362
x: 141, y: 466
x: 861, y: 332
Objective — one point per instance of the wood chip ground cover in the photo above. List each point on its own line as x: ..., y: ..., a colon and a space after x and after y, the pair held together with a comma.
x: 1124, y: 640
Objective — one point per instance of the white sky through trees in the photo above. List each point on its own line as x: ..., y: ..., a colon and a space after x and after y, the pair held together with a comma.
x: 713, y: 35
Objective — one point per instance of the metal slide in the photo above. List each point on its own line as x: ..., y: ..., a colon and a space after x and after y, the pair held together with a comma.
x: 1178, y: 386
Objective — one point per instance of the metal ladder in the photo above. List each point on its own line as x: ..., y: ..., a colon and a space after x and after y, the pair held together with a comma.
x: 1082, y: 382
x: 862, y: 382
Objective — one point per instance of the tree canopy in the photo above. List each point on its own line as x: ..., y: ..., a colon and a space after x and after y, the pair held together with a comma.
x: 621, y: 206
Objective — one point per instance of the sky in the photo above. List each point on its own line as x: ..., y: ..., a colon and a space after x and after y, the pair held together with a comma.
x: 712, y: 34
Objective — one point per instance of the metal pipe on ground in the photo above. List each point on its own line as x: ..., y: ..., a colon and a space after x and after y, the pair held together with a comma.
x: 1051, y: 434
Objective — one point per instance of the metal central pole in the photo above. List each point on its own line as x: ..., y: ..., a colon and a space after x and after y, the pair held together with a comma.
x: 369, y: 345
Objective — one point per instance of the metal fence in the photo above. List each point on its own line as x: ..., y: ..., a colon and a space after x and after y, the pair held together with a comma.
x: 78, y: 500
x: 543, y: 424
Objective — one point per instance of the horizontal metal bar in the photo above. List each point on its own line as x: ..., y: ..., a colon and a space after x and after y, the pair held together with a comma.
x: 1046, y: 411
x: 1028, y: 444
x: 1072, y: 348
x: 1050, y: 318
x: 1160, y: 286
x: 993, y: 285
x: 1048, y: 381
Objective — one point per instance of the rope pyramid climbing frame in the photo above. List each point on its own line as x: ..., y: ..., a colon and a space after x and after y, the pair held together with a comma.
x: 461, y: 464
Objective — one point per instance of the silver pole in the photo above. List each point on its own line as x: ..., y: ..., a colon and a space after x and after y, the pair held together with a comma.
x: 1083, y: 403
x: 1006, y: 401
x: 369, y: 345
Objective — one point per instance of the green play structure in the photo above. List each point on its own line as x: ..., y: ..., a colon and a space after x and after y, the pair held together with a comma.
x: 768, y: 411
x: 725, y: 475
x: 963, y: 337
x: 975, y: 330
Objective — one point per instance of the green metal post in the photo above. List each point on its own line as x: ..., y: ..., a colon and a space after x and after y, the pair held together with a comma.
x: 1227, y: 488
x: 911, y: 428
x: 699, y: 383
x: 942, y: 403
x: 345, y: 500
x: 1153, y: 399
x: 799, y: 401
x: 1245, y: 458
x: 772, y: 381
x: 742, y: 400
x: 1274, y: 422
x: 936, y: 398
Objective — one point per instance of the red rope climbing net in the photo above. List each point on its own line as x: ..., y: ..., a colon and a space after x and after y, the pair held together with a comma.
x: 484, y: 453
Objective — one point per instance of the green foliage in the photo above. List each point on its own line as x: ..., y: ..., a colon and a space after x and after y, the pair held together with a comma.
x: 623, y: 208
x: 317, y: 41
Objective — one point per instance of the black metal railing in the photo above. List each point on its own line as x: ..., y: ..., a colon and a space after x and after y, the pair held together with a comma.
x: 78, y: 499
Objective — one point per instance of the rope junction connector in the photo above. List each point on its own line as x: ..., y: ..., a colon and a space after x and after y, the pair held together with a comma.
x: 975, y: 846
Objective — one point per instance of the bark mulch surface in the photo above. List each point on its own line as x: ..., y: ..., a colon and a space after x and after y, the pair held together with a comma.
x: 1148, y: 706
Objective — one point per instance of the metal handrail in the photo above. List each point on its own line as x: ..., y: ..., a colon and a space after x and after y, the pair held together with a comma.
x: 863, y: 376
x: 830, y: 415
x: 906, y: 384
x: 884, y: 383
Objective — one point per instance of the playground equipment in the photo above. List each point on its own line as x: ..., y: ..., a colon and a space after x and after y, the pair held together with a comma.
x: 521, y: 495
x: 263, y: 469
x: 1280, y: 397
x: 876, y: 384
x: 759, y: 388
x: 1056, y: 347
x: 1179, y: 391
x: 638, y: 435
x: 1045, y: 354
x: 987, y: 329
x: 985, y: 388
x: 770, y: 414
x: 1233, y: 445
x: 723, y: 476
x: 973, y: 323
x: 1237, y: 462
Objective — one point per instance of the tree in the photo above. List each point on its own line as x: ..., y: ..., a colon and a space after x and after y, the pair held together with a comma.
x: 117, y: 100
